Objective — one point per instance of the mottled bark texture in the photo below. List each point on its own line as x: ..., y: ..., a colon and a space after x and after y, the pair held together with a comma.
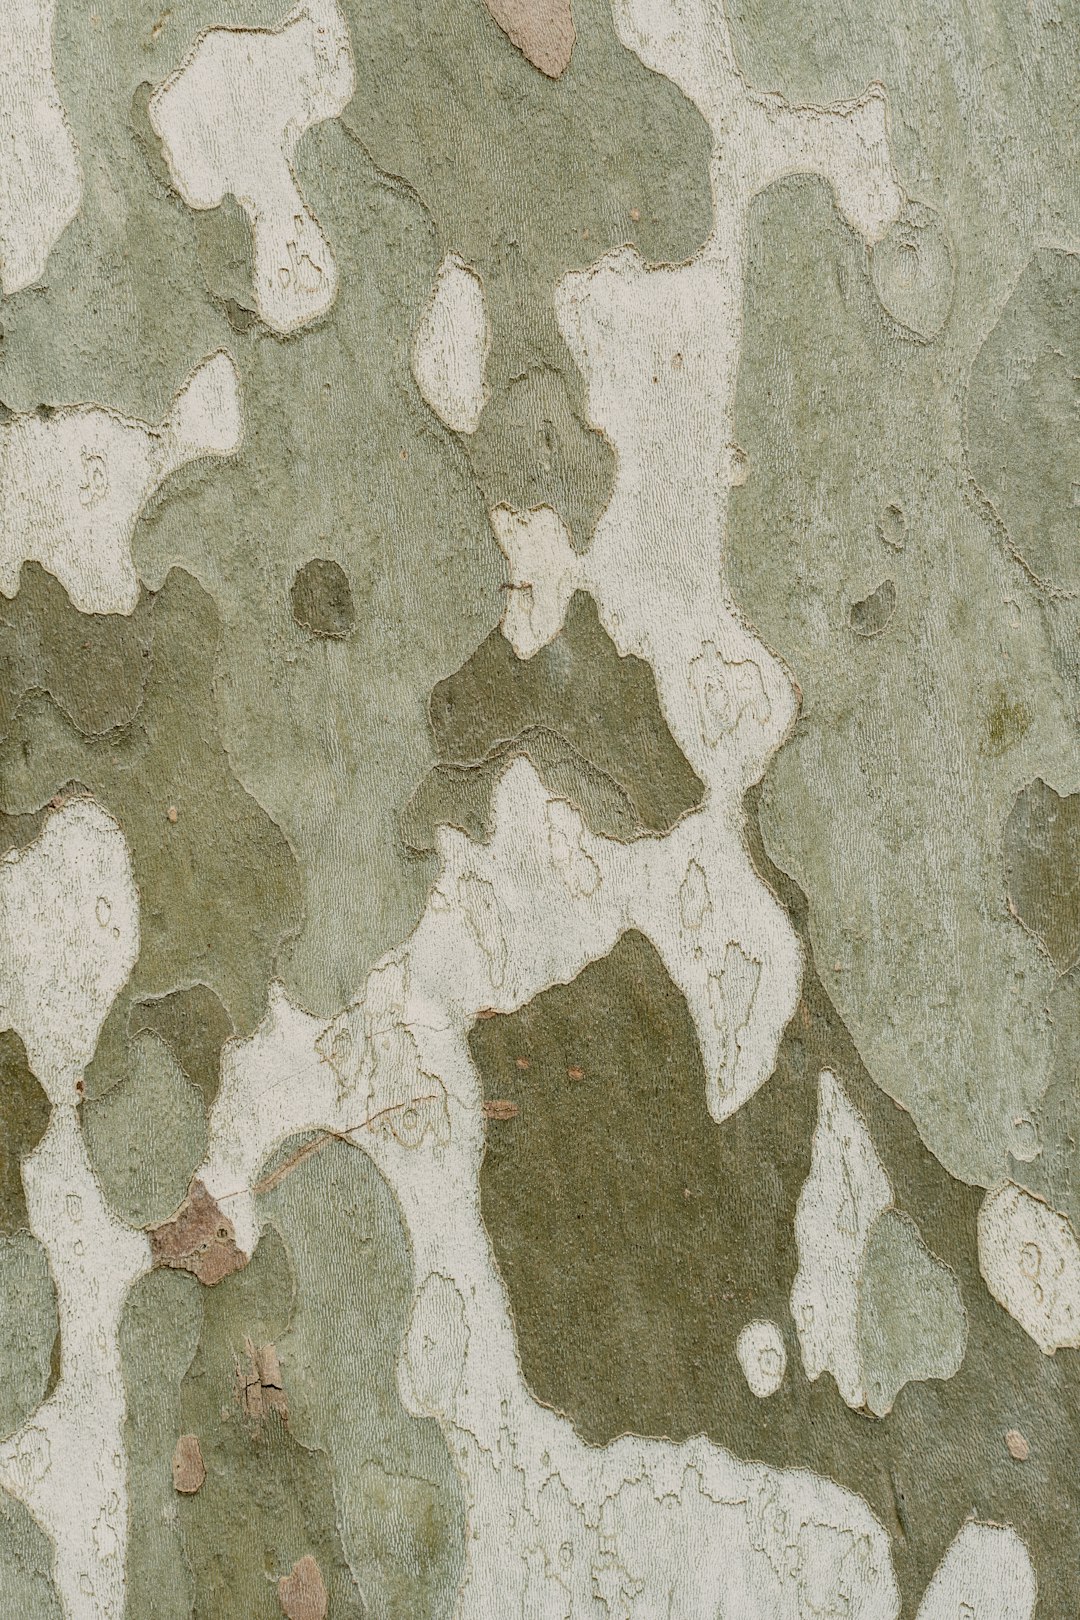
x: 540, y: 810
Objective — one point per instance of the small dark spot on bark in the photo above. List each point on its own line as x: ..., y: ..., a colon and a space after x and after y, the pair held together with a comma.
x: 870, y: 616
x: 321, y: 599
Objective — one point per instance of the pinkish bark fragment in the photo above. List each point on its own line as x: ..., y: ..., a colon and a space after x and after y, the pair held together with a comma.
x: 188, y: 1468
x: 542, y: 30
x: 302, y: 1593
x: 199, y: 1239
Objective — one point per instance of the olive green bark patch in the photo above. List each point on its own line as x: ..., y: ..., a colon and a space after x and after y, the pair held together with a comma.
x: 911, y: 1319
x: 194, y: 1024
x: 146, y: 1136
x: 351, y: 1478
x: 1042, y: 868
x: 870, y: 616
x: 400, y: 1504
x: 321, y: 598
x: 267, y: 1500
x: 557, y: 173
x: 628, y: 1294
x: 26, y: 1556
x: 24, y: 1115
x: 588, y: 718
x: 159, y: 1334
x: 1022, y: 423
x: 28, y: 1328
x: 94, y: 666
x: 216, y: 879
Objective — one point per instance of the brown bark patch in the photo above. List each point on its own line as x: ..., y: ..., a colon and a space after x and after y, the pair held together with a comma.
x: 199, y: 1239
x: 542, y: 30
x: 500, y: 1108
x: 302, y: 1593
x: 188, y: 1468
x: 259, y: 1386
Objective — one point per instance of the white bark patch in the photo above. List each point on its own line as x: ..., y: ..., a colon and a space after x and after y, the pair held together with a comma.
x: 762, y: 1357
x: 72, y: 484
x: 40, y: 179
x: 230, y: 119
x: 986, y: 1574
x: 69, y: 936
x: 544, y: 573
x: 845, y: 1192
x: 1030, y: 1261
x: 450, y: 347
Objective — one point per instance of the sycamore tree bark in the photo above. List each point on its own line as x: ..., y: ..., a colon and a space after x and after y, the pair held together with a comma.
x: 539, y: 810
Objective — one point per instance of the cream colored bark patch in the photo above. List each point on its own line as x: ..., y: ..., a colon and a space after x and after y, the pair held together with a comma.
x: 230, y: 119
x: 72, y: 484
x: 845, y: 1192
x: 871, y: 1304
x: 762, y: 1357
x: 542, y: 30
x: 1030, y: 1261
x: 450, y: 348
x: 69, y: 936
x: 985, y: 1575
x: 40, y: 181
x: 544, y: 573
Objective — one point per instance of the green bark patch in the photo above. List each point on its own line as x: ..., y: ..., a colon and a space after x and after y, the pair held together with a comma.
x: 527, y: 178
x: 587, y: 718
x: 94, y: 666
x: 285, y: 1373
x: 24, y: 1115
x: 911, y: 1320
x: 1041, y: 844
x: 216, y: 879
x: 26, y: 1555
x: 321, y: 598
x: 195, y: 1026
x: 28, y: 1328
x: 146, y: 1136
x: 888, y: 801
x: 637, y: 1237
x: 1023, y: 426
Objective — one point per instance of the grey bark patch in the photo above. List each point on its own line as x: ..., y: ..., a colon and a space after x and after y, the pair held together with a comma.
x: 146, y: 1136
x: 1041, y: 845
x: 871, y: 616
x: 321, y: 598
x: 913, y: 271
x: 1023, y: 430
x: 911, y: 1318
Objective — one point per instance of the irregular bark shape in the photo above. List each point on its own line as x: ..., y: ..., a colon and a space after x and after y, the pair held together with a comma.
x: 542, y: 30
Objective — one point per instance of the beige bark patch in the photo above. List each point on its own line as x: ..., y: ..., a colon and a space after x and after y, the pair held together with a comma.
x: 542, y: 30
x: 188, y: 1468
x: 259, y: 1386
x: 199, y: 1239
x: 302, y: 1594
